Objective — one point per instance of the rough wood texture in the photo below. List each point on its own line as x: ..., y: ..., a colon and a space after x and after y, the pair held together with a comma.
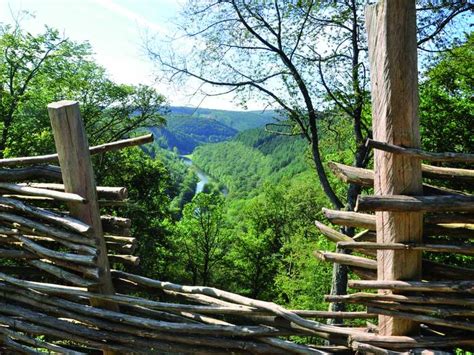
x: 345, y: 259
x: 420, y: 154
x: 48, y: 172
x: 365, y: 177
x: 98, y: 149
x: 440, y: 286
x: 353, y: 175
x: 78, y: 177
x: 31, y: 226
x: 34, y: 191
x: 43, y: 252
x: 442, y: 218
x: 63, y: 275
x: 238, y: 299
x: 400, y: 203
x: 469, y: 326
x: 46, y: 215
x: 391, y: 27
x: 350, y: 219
x: 363, y: 297
x: 124, y: 259
x: 406, y: 342
x: 440, y: 248
x: 105, y: 192
x: 455, y: 174
x: 331, y: 234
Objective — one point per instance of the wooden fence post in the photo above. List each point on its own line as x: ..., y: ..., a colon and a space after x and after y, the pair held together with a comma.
x: 78, y: 177
x: 391, y: 27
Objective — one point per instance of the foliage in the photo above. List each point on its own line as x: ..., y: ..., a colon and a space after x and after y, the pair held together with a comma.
x: 446, y: 106
x: 259, y: 240
x: 148, y: 182
x: 202, y: 236
x: 187, y: 127
x: 185, y: 133
x: 246, y: 161
x: 183, y: 179
x: 239, y: 120
x: 36, y: 70
x: 273, y: 240
x: 299, y: 56
x: 24, y: 59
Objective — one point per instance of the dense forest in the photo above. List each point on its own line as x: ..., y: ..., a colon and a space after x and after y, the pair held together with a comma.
x: 259, y: 239
x: 187, y: 128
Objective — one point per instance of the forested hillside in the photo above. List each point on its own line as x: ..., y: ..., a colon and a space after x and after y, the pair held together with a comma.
x: 239, y: 120
x: 187, y: 128
x: 185, y: 133
x: 251, y: 158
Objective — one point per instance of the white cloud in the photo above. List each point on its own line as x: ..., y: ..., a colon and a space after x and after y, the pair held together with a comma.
x: 123, y: 11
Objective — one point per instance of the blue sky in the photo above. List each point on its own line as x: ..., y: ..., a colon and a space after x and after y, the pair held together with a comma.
x: 116, y: 31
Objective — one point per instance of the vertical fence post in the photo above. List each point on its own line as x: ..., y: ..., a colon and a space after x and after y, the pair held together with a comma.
x: 391, y: 27
x: 78, y: 177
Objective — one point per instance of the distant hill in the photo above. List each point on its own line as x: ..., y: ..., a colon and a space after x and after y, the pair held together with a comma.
x: 239, y: 120
x: 251, y: 158
x: 185, y: 133
x: 189, y: 127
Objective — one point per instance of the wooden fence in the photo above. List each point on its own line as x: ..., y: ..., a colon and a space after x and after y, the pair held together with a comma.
x: 59, y: 284
x: 59, y: 294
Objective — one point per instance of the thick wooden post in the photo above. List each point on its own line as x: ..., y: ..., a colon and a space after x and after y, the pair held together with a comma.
x: 78, y: 177
x: 391, y: 27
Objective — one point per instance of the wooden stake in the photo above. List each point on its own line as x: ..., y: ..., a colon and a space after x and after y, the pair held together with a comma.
x: 391, y: 27
x: 78, y: 177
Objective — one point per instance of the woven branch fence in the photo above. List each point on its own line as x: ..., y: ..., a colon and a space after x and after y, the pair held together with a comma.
x: 53, y: 287
x: 58, y: 293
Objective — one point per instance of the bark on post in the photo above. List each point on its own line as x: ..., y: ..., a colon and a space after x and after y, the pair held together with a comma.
x: 391, y: 26
x: 78, y: 177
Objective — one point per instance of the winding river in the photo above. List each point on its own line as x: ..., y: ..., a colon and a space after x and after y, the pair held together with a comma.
x: 203, y: 178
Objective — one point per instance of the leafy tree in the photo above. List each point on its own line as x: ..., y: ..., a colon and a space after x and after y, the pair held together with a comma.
x: 273, y: 51
x: 148, y: 182
x: 24, y: 57
x: 201, y: 233
x: 303, y: 56
x: 38, y: 69
x: 446, y: 107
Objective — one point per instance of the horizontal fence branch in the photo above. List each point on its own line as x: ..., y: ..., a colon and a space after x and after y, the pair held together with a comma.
x: 104, y: 192
x: 408, y: 342
x: 362, y: 297
x: 346, y: 259
x: 365, y: 177
x: 34, y: 191
x: 402, y: 203
x: 55, y: 218
x: 439, y: 248
x: 98, y: 149
x: 48, y: 172
x: 469, y: 326
x: 421, y: 154
x: 466, y: 286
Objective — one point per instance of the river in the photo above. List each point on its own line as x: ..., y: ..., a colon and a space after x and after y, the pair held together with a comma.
x: 203, y: 178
